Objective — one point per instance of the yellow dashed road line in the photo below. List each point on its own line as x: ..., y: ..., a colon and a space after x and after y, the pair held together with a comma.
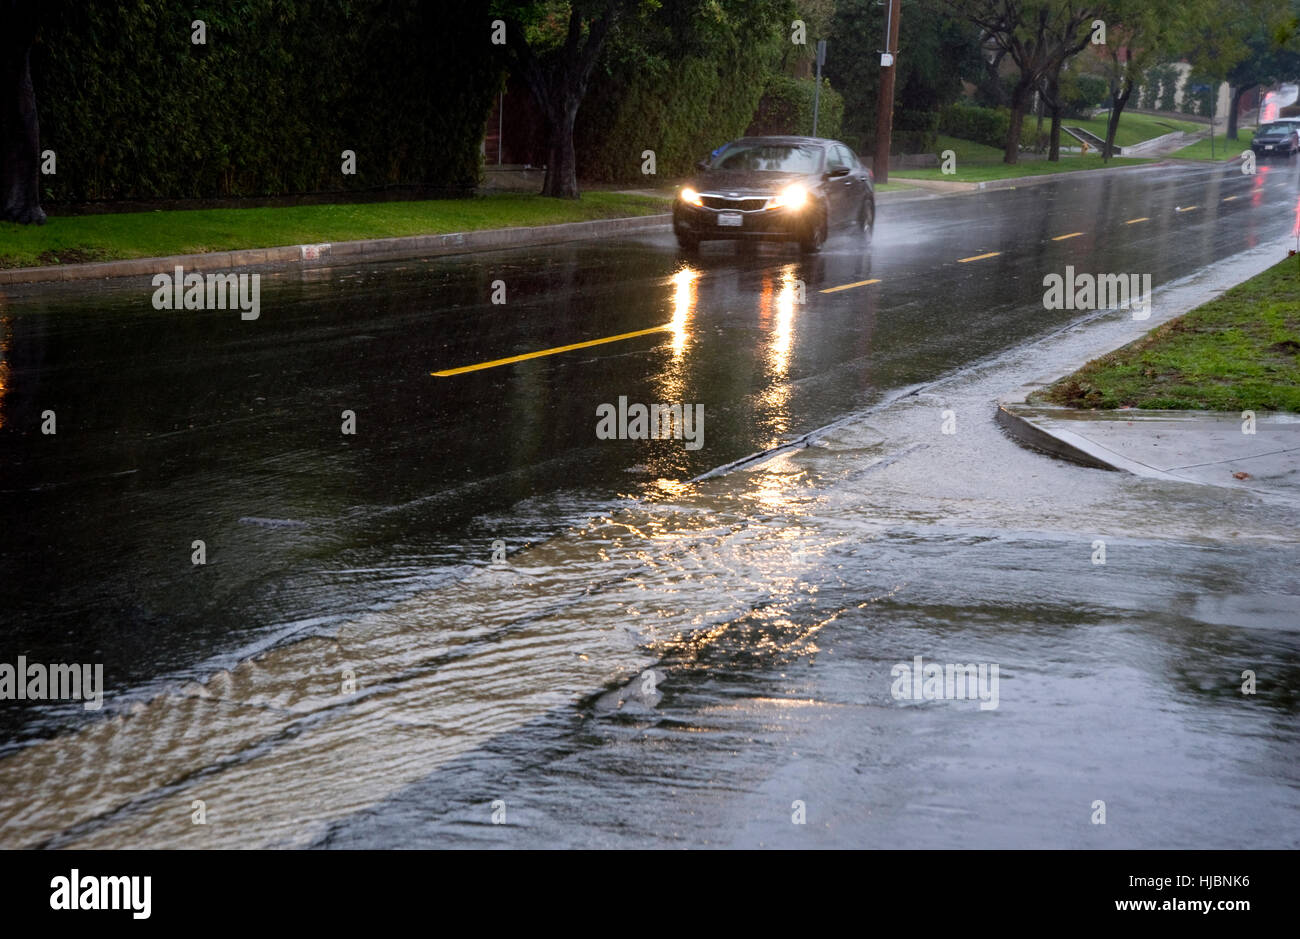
x: 655, y: 329
x: 856, y: 283
x: 558, y: 349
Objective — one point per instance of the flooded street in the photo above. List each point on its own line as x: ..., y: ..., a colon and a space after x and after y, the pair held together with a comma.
x: 665, y: 656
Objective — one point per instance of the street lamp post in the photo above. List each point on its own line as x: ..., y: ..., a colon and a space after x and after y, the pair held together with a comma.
x: 885, y: 106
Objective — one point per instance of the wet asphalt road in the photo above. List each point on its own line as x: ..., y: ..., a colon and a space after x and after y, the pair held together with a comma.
x: 197, y: 425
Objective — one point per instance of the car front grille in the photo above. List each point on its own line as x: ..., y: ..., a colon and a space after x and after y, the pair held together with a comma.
x: 748, y: 204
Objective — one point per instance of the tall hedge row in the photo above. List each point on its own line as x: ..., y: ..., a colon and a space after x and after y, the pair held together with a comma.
x: 786, y: 107
x: 134, y: 109
x: 681, y: 78
x: 682, y: 115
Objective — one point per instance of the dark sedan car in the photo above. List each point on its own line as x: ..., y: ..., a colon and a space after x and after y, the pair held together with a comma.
x: 775, y: 188
x: 1279, y: 139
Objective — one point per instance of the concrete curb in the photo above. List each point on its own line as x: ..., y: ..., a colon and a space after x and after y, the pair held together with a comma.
x: 343, y: 252
x: 1024, y: 422
x: 1012, y: 416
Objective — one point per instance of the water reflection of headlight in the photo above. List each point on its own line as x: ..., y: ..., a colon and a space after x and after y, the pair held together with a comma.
x: 683, y: 305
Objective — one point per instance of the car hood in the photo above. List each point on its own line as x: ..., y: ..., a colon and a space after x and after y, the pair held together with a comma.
x: 749, y: 183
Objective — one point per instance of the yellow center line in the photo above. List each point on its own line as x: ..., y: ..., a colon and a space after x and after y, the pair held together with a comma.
x: 1190, y: 208
x: 558, y: 349
x: 856, y: 283
x: 1134, y: 221
x: 980, y: 257
x: 1228, y: 198
x: 1073, y: 234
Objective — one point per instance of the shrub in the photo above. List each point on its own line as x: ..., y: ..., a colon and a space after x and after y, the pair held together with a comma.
x: 134, y: 110
x: 786, y: 107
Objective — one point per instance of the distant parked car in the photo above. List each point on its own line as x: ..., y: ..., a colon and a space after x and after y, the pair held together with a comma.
x: 1281, y: 138
x: 775, y: 188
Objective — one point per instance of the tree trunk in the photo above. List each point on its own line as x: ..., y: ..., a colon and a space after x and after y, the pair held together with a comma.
x: 1053, y: 97
x: 561, y: 161
x: 1019, y: 100
x: 1118, y: 101
x: 1237, y: 95
x: 20, y: 138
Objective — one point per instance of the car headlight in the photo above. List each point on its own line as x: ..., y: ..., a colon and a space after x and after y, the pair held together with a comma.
x: 689, y: 195
x: 793, y: 196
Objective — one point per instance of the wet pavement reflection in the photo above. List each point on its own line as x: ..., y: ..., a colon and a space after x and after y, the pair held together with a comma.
x: 768, y: 604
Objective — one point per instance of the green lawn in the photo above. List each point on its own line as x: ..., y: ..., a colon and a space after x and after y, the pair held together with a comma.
x: 1239, y: 352
x: 1224, y: 149
x: 75, y: 239
x: 968, y: 151
x: 973, y: 172
x: 1135, y: 128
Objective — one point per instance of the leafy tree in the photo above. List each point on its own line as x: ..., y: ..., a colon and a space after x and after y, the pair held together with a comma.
x: 1039, y: 36
x: 938, y: 51
x: 553, y: 46
x: 680, y: 78
x: 1140, y: 33
x: 1270, y: 55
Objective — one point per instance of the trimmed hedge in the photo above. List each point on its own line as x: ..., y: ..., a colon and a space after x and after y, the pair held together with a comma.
x: 680, y: 79
x: 682, y: 114
x: 135, y: 110
x: 988, y: 126
x: 786, y: 107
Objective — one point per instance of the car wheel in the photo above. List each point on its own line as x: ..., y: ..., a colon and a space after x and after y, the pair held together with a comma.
x: 688, y: 244
x: 867, y: 216
x: 814, y: 239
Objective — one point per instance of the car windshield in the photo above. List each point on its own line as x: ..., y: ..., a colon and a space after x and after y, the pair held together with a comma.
x: 769, y: 158
x: 1275, y: 129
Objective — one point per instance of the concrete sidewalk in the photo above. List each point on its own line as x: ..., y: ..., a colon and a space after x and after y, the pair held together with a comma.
x: 1207, y: 447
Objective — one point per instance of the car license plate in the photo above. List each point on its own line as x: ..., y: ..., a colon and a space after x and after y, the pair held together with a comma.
x: 734, y: 219
x: 1268, y: 146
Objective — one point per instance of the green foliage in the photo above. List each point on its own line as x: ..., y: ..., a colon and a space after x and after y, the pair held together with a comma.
x: 1200, y: 101
x: 938, y: 52
x: 681, y: 78
x: 134, y: 110
x: 1169, y: 90
x: 1081, y: 93
x: 1235, y: 353
x: 786, y: 107
x: 988, y: 126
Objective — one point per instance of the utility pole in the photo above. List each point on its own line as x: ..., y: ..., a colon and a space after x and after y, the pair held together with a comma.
x: 885, y: 106
x: 817, y: 90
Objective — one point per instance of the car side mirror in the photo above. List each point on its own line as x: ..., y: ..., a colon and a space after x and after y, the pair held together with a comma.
x: 701, y: 165
x: 837, y: 171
